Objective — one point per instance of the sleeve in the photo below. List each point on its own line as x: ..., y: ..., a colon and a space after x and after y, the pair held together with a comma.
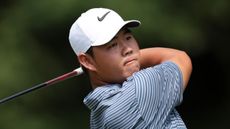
x: 159, y: 90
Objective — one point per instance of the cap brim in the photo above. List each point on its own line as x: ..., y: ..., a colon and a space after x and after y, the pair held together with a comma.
x: 132, y: 23
x: 129, y: 24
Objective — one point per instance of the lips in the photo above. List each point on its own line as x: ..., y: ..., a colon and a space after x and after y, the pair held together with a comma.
x: 129, y: 61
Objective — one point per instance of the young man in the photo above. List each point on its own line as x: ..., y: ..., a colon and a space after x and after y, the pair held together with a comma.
x: 132, y: 88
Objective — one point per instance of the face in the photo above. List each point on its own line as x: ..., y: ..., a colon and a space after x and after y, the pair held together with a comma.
x: 118, y: 59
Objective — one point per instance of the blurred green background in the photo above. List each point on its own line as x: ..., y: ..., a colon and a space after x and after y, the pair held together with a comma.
x: 34, y: 47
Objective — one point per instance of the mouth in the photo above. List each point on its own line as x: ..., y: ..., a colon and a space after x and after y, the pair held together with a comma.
x: 129, y: 61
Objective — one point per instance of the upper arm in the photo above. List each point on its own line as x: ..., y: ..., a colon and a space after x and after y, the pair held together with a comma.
x: 158, y: 90
x: 183, y: 61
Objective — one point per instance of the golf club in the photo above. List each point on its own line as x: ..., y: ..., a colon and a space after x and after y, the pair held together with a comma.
x: 75, y: 72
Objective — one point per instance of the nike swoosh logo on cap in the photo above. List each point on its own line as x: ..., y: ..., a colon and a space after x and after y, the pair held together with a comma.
x: 103, y: 17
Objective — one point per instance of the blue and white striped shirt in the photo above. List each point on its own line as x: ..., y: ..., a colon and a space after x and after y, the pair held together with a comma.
x: 146, y: 100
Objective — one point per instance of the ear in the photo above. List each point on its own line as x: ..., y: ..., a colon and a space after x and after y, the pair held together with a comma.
x: 87, y: 61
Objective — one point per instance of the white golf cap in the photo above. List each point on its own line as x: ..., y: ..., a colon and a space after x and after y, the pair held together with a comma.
x: 96, y: 27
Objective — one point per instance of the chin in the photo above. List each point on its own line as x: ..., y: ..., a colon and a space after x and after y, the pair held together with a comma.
x: 130, y: 69
x: 130, y: 72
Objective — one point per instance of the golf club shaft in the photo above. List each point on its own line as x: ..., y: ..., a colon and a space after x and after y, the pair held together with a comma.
x: 75, y: 72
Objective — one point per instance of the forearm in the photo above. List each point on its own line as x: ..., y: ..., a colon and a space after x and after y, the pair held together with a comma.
x: 157, y: 55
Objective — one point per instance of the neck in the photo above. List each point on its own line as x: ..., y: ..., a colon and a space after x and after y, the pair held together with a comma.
x: 95, y: 81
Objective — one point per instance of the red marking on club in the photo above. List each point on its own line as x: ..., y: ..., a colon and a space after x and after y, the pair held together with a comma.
x: 47, y: 83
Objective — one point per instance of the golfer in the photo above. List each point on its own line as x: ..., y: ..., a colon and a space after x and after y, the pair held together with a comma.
x: 132, y: 88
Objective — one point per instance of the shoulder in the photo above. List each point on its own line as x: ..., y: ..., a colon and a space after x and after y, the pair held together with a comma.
x: 157, y: 72
x: 98, y: 95
x: 156, y: 87
x: 154, y: 81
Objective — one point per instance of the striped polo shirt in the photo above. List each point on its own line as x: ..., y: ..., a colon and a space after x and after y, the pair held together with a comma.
x: 146, y: 100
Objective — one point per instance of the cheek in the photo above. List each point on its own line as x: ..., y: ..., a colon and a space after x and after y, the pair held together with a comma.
x: 110, y: 63
x: 111, y: 70
x: 135, y: 46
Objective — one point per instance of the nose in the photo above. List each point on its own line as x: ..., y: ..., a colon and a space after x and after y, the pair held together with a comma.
x: 126, y: 49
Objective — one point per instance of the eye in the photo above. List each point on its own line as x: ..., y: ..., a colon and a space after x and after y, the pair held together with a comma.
x: 112, y: 45
x: 128, y: 37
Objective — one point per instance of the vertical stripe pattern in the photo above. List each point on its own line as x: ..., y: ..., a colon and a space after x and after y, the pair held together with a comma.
x: 146, y: 100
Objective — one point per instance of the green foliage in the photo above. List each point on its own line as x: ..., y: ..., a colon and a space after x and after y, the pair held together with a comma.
x: 34, y: 48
